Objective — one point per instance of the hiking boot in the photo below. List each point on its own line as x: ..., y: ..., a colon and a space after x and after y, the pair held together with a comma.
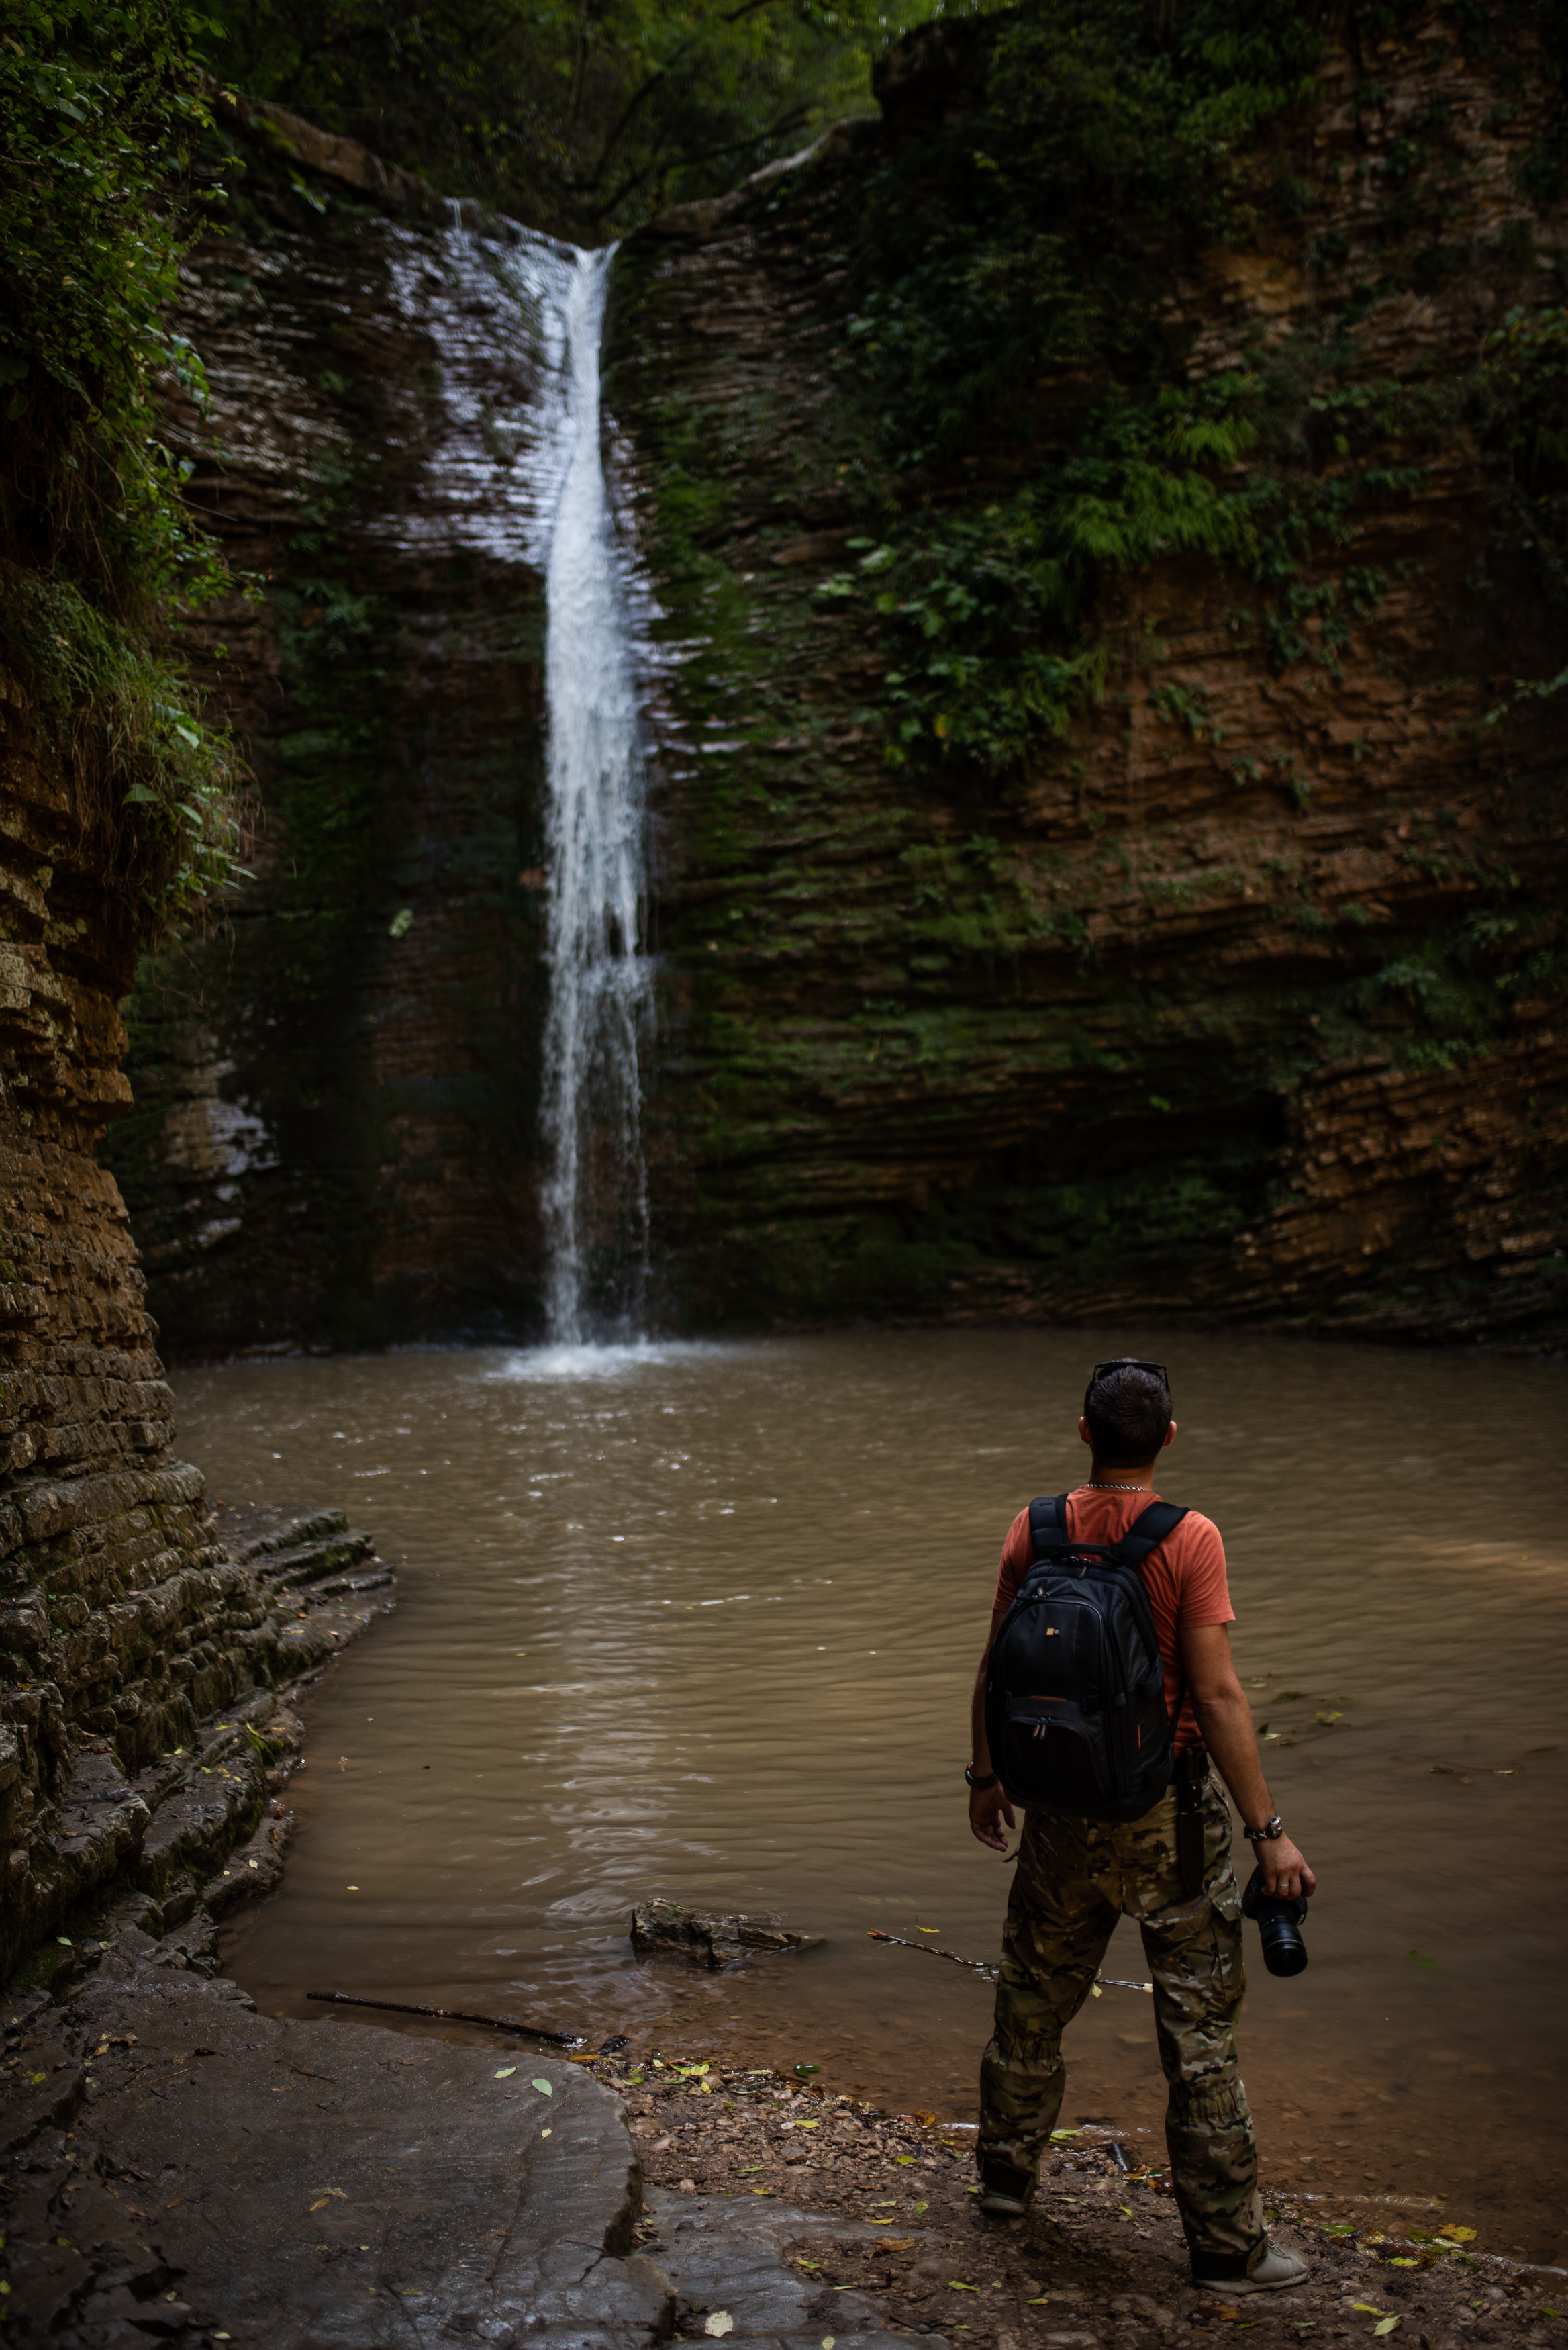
x: 1267, y: 2268
x: 1005, y: 2192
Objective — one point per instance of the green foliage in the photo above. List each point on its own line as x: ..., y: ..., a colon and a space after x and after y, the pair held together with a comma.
x: 1013, y: 322
x: 1041, y: 232
x: 102, y: 109
x: 577, y: 118
x: 158, y: 780
x: 988, y: 605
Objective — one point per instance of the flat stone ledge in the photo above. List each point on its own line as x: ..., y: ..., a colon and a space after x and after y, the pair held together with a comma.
x: 301, y: 2185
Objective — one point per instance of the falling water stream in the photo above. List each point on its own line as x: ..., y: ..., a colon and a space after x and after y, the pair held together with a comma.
x: 595, y: 1194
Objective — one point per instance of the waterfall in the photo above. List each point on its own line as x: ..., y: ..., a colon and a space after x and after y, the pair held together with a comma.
x: 548, y: 499
x: 596, y: 1191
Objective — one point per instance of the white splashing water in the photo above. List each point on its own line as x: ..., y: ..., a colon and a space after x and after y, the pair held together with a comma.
x: 551, y: 504
x: 596, y: 1193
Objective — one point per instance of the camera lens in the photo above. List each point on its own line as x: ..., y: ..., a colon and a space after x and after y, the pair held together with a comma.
x: 1284, y: 1952
x: 1279, y: 1924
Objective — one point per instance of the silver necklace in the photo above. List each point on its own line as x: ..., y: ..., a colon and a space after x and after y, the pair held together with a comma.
x: 1103, y: 1485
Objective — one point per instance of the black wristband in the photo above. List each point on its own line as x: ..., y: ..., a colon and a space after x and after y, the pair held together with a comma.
x: 977, y: 1784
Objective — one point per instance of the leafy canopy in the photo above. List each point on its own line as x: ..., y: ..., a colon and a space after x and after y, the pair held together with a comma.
x: 102, y: 109
x: 579, y: 116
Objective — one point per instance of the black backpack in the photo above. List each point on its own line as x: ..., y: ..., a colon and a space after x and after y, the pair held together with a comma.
x: 1074, y: 1695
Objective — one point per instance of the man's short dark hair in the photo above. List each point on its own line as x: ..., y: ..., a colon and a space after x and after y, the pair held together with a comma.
x: 1128, y: 1412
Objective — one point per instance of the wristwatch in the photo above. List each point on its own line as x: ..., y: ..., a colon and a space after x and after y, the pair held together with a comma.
x: 1267, y: 1834
x: 980, y: 1781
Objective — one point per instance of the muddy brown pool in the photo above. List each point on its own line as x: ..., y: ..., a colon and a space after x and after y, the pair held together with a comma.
x: 701, y: 1621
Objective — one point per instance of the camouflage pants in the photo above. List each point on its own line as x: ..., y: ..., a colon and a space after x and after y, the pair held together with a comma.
x: 1074, y: 1878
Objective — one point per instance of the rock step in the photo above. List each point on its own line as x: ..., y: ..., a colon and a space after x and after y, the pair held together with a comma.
x: 286, y: 1545
x: 249, y: 1530
x: 293, y: 1570
x: 335, y: 1584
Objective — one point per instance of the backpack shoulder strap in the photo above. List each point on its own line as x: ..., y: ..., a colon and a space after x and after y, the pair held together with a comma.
x: 1048, y: 1524
x: 1148, y: 1530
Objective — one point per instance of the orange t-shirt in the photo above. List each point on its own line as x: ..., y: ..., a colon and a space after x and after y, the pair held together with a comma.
x: 1185, y: 1576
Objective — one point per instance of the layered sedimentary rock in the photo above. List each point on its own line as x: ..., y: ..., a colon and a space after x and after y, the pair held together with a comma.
x: 1247, y: 1001
x: 1250, y: 999
x: 334, y: 1138
x: 126, y: 1624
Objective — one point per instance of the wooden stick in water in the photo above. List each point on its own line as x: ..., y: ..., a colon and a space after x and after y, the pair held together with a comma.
x: 454, y: 2015
x: 933, y: 1950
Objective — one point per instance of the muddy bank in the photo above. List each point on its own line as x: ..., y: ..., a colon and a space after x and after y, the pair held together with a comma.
x: 1099, y: 2259
x: 178, y: 2165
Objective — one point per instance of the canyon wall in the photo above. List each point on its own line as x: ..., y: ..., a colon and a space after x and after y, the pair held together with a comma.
x: 1248, y: 999
x: 334, y: 1138
x: 1245, y: 1001
x: 127, y: 1622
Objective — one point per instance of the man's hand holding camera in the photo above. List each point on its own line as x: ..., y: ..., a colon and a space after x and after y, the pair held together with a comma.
x: 1284, y: 1873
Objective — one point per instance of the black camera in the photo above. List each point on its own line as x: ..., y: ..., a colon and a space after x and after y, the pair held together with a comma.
x: 1279, y: 1924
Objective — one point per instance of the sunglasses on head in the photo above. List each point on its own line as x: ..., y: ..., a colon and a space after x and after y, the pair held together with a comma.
x: 1129, y: 1363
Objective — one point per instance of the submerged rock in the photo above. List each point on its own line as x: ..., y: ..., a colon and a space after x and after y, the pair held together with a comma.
x: 706, y: 1939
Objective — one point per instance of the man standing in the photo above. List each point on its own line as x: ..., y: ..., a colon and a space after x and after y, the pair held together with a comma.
x: 1075, y: 1876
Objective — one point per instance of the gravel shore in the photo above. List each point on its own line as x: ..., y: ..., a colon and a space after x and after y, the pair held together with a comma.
x: 1098, y: 2261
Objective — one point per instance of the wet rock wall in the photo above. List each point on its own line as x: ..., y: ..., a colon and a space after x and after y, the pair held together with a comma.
x: 333, y: 1136
x: 127, y: 1623
x: 1247, y: 1002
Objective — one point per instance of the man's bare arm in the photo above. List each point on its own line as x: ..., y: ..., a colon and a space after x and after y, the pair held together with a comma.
x: 1225, y: 1719
x: 988, y: 1807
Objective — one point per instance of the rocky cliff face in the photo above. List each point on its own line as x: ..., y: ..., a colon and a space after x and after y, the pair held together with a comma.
x: 334, y: 1138
x: 1248, y: 999
x: 126, y: 1621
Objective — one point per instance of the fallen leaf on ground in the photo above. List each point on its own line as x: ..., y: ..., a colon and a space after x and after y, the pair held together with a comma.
x: 1457, y: 2235
x: 544, y: 2087
x: 719, y: 2322
x: 1385, y: 2326
x: 505, y: 2072
x: 926, y: 2120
